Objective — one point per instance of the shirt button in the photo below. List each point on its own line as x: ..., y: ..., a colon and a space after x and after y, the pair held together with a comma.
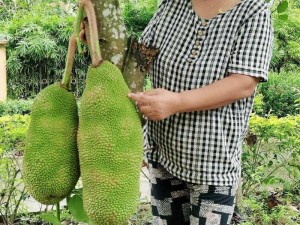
x: 204, y: 23
x: 197, y: 43
x: 194, y: 52
x: 189, y: 60
x: 200, y: 33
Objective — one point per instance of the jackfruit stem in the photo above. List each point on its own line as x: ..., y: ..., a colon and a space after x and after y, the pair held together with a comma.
x: 58, y: 211
x: 69, y: 62
x: 77, y: 27
x: 93, y: 30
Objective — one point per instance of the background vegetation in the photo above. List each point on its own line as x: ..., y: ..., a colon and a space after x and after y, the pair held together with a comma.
x: 38, y: 33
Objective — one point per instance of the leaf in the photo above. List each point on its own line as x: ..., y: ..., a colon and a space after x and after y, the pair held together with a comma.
x: 75, y: 206
x: 50, y: 218
x: 282, y: 6
x: 270, y: 180
x: 283, y: 17
x: 270, y: 163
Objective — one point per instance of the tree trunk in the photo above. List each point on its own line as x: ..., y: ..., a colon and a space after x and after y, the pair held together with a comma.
x: 115, y: 43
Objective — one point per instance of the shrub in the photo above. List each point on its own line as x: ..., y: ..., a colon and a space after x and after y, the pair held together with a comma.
x: 12, y: 190
x: 271, y: 153
x: 138, y: 14
x: 286, y: 53
x: 280, y: 94
x: 12, y: 132
x: 12, y: 107
x: 257, y: 211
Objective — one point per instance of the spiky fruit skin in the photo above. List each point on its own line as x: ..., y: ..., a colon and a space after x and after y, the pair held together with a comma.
x: 51, y: 162
x: 110, y: 147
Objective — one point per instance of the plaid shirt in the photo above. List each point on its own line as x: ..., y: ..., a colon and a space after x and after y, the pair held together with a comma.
x: 204, y: 147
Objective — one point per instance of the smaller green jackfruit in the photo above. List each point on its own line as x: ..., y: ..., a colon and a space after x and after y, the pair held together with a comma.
x: 51, y: 164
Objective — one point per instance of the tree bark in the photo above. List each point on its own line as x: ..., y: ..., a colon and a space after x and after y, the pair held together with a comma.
x: 115, y: 43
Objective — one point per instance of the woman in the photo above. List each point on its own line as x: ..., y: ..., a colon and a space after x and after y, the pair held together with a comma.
x: 212, y: 55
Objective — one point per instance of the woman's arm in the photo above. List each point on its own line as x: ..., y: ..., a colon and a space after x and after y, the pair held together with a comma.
x: 159, y: 104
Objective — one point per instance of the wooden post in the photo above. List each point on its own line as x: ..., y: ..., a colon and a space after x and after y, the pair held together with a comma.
x: 3, y: 78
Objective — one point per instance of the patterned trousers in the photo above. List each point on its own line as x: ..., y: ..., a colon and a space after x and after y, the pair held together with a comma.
x: 176, y: 202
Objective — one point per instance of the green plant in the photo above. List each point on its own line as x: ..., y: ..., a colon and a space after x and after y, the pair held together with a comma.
x: 280, y: 94
x: 12, y: 107
x: 271, y: 153
x: 12, y: 133
x: 137, y: 14
x: 257, y: 211
x: 286, y: 52
x: 38, y: 36
x: 12, y: 191
x: 258, y: 106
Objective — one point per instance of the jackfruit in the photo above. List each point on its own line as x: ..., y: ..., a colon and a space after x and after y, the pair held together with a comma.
x: 110, y: 147
x: 51, y: 163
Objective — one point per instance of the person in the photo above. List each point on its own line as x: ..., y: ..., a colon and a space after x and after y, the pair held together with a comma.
x: 213, y: 53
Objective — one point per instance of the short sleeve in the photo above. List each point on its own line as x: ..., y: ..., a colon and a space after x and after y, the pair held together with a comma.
x: 149, y: 36
x: 252, y: 52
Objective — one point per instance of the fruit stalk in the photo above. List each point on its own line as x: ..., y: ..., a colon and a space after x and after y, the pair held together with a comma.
x: 69, y: 62
x: 58, y: 211
x: 94, y: 39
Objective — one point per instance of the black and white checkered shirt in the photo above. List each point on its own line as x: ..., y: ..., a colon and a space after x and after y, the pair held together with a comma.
x: 204, y: 147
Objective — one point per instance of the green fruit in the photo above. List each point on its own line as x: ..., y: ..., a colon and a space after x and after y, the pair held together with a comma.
x: 110, y: 147
x: 51, y: 164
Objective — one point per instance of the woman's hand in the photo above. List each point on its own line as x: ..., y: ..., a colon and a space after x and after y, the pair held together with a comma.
x: 156, y: 104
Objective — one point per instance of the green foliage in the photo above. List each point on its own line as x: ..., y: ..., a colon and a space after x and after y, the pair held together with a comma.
x: 282, y: 6
x: 286, y: 52
x: 137, y: 14
x: 12, y: 191
x: 258, y: 106
x: 49, y: 217
x: 38, y: 37
x: 147, y: 83
x: 12, y: 107
x: 271, y: 153
x: 257, y: 212
x: 75, y: 206
x: 12, y: 132
x: 280, y: 94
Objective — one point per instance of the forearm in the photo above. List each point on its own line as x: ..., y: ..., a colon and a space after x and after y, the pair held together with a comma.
x: 158, y: 104
x: 218, y: 94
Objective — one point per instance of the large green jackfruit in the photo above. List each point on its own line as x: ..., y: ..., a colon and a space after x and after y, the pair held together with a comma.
x: 110, y: 147
x: 51, y: 163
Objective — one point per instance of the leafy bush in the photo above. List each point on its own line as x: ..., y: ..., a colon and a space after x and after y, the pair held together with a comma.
x: 280, y: 94
x: 12, y: 190
x: 12, y: 107
x: 12, y: 132
x: 286, y: 52
x: 137, y: 14
x: 271, y: 153
x: 257, y: 211
x: 258, y: 104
